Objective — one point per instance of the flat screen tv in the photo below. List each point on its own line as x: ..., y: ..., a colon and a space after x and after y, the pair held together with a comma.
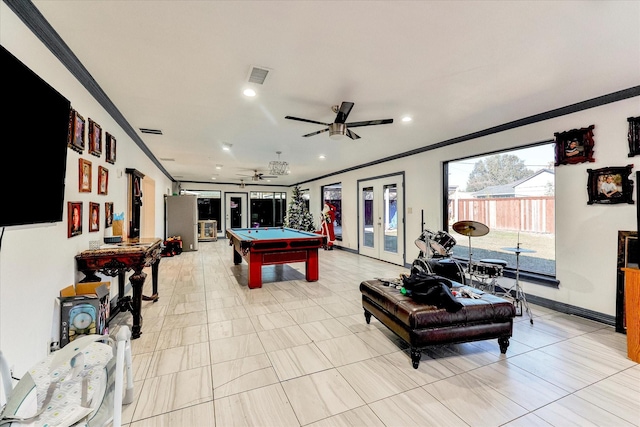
x: 33, y: 151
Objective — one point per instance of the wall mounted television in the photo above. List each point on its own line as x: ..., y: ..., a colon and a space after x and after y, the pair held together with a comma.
x: 33, y: 153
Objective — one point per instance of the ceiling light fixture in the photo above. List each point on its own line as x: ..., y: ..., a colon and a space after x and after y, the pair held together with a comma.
x: 278, y: 167
x: 249, y: 92
x: 406, y: 119
x: 226, y: 147
x: 337, y: 130
x: 218, y: 167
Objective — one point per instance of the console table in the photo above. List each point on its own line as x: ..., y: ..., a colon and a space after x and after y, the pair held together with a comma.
x: 116, y: 260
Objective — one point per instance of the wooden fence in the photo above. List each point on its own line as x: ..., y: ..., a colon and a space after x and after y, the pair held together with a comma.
x: 530, y: 214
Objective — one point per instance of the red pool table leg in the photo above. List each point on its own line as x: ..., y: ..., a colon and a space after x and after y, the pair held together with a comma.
x: 312, y: 274
x: 255, y: 270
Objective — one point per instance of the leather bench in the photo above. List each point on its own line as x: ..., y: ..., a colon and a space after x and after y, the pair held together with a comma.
x: 421, y: 325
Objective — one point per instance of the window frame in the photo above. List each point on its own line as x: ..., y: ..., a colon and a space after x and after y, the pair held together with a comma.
x: 509, y: 272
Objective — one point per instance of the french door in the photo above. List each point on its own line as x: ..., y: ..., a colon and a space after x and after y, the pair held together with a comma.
x: 236, y: 210
x: 381, y: 218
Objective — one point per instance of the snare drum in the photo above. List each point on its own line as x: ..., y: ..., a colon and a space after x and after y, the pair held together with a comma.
x: 442, y: 243
x: 482, y: 269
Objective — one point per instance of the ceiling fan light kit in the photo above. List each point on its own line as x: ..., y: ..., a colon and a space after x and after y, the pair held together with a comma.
x: 337, y: 130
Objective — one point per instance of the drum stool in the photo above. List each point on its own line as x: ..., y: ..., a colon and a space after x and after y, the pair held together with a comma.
x: 490, y: 285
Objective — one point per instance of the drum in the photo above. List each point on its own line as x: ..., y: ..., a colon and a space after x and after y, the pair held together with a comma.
x: 442, y: 243
x: 425, y: 239
x: 448, y: 268
x: 482, y: 269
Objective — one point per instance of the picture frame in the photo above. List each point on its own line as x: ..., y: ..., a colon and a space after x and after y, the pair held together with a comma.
x: 108, y: 214
x: 95, y: 138
x: 574, y: 146
x: 610, y: 185
x: 94, y: 217
x: 103, y: 180
x: 110, y: 148
x: 84, y: 176
x: 74, y: 219
x: 76, y: 132
x: 634, y: 136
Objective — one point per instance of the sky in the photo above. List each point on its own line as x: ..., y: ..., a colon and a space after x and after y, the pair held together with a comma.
x: 535, y: 158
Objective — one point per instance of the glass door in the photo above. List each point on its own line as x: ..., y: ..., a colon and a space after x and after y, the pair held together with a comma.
x: 236, y: 210
x: 381, y: 219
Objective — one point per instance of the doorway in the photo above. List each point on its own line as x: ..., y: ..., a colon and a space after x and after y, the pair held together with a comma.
x: 236, y: 210
x: 381, y: 218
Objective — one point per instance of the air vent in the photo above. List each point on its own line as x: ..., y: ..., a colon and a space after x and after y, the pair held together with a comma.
x: 258, y: 75
x: 151, y: 131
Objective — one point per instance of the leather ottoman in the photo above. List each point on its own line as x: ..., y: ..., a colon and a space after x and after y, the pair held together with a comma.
x: 422, y: 325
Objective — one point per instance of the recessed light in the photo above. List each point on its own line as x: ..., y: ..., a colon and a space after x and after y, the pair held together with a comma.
x: 322, y: 157
x: 226, y: 147
x: 213, y: 177
x: 218, y: 167
x: 406, y: 119
x: 249, y: 92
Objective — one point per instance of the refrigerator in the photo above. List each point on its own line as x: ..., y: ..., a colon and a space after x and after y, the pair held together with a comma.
x: 181, y: 214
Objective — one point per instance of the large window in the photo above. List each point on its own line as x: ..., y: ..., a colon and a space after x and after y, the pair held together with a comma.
x: 512, y: 193
x: 267, y: 209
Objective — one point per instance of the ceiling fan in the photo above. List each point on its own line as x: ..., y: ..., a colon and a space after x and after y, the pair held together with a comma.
x: 259, y: 176
x: 339, y: 127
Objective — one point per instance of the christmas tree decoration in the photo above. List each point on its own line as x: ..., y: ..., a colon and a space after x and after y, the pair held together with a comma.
x: 298, y: 216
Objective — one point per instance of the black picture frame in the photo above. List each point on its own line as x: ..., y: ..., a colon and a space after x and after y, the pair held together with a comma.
x: 574, y: 146
x: 634, y: 136
x: 600, y: 179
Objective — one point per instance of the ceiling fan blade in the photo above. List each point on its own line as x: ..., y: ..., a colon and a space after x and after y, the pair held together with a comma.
x: 352, y: 135
x: 369, y: 123
x: 315, y: 133
x: 268, y: 176
x: 306, y: 120
x: 343, y: 113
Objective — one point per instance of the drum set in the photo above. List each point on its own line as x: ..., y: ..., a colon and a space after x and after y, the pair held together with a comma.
x: 436, y: 258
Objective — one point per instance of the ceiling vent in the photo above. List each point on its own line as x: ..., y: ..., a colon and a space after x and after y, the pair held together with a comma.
x: 258, y: 75
x: 151, y: 131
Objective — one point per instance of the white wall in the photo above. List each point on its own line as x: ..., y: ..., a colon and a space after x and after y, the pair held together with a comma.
x: 36, y: 262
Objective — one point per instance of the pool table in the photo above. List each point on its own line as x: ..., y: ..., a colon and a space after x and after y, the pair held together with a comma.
x: 275, y: 245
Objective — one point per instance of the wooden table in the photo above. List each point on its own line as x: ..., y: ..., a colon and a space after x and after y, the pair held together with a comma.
x: 275, y: 245
x: 116, y: 260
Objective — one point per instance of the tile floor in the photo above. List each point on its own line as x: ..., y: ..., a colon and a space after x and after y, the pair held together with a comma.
x: 294, y: 353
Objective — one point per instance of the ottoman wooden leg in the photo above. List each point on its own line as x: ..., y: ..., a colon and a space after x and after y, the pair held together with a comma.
x: 504, y: 343
x: 416, y: 354
x: 367, y: 317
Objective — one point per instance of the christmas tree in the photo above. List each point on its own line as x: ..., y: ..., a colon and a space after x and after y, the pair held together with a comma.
x: 298, y: 216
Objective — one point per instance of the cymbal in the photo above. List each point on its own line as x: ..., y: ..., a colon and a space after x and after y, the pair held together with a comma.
x: 519, y: 250
x: 470, y: 228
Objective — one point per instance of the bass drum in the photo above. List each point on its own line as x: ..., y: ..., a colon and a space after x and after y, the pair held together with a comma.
x: 448, y: 268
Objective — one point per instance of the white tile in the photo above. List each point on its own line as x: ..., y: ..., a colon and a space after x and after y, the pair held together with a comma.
x: 240, y: 375
x: 375, y: 379
x: 320, y: 395
x: 265, y: 406
x: 415, y: 408
x: 296, y: 361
